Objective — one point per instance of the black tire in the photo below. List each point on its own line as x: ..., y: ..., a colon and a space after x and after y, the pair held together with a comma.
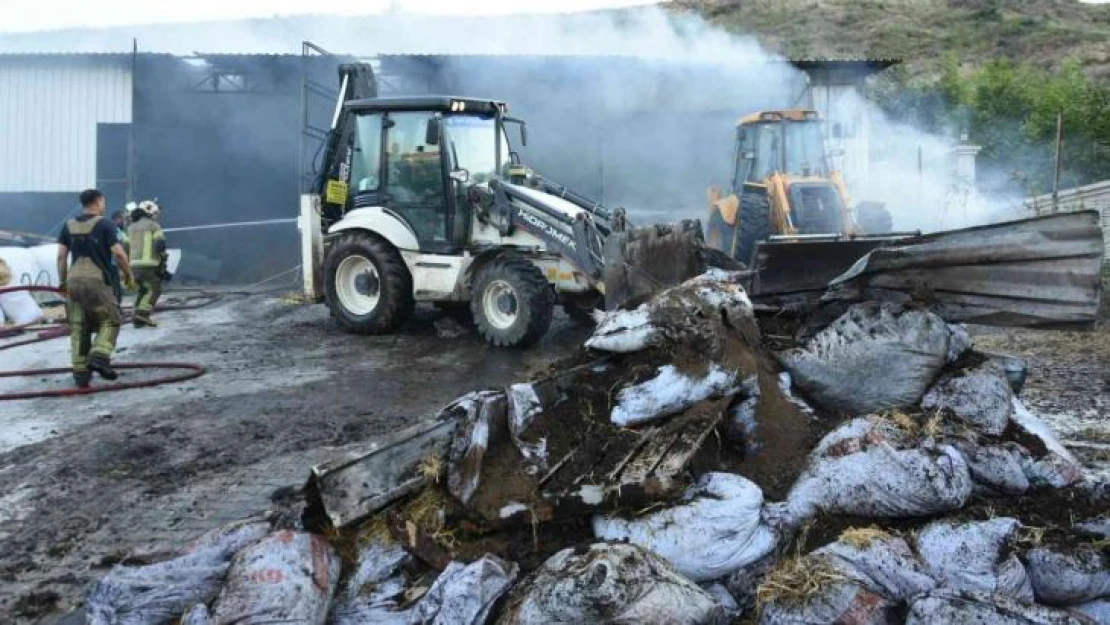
x: 395, y: 302
x: 525, y: 306
x: 755, y: 225
x: 874, y: 218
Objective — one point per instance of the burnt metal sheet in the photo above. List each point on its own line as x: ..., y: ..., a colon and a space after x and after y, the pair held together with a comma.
x: 359, y: 483
x: 1038, y: 271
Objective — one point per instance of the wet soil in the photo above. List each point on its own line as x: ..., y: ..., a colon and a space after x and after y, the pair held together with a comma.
x: 133, y: 473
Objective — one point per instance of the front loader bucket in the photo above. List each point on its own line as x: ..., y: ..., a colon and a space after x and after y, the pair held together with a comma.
x: 794, y: 267
x: 640, y: 262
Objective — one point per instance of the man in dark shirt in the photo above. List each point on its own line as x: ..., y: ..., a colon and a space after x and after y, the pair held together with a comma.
x: 90, y: 283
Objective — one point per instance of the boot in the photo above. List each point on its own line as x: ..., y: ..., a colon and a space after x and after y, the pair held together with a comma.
x: 143, y: 320
x: 82, y: 378
x: 102, y: 366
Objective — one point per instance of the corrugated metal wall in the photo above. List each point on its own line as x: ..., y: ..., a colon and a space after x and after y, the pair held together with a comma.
x: 1091, y: 197
x: 49, y: 110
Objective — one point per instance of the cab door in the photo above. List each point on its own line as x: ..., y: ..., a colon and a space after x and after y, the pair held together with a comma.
x: 415, y: 181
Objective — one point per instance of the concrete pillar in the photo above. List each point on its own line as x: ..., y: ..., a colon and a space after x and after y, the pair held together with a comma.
x: 965, y: 161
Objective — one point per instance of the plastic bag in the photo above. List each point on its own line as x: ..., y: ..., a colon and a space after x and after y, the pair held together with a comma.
x: 668, y: 393
x: 288, y: 577
x: 465, y: 594
x: 483, y: 425
x: 870, y: 359
x: 970, y: 556
x: 945, y: 605
x: 858, y: 470
x: 372, y: 592
x: 1068, y: 578
x: 844, y: 603
x: 981, y: 396
x: 161, y: 592
x: 610, y: 583
x: 716, y: 531
x: 881, y: 563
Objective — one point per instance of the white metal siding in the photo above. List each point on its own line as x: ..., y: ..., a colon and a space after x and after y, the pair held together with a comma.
x: 1091, y: 197
x: 49, y: 109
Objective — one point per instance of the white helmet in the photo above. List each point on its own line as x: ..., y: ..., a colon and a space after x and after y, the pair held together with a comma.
x: 149, y: 207
x: 131, y: 206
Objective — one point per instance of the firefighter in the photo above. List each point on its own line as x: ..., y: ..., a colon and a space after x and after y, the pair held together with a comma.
x: 120, y: 221
x: 148, y: 257
x: 90, y: 282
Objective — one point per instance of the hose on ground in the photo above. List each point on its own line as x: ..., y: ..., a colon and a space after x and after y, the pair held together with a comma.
x: 190, y: 372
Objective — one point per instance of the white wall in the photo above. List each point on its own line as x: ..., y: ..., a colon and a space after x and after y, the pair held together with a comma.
x: 49, y: 108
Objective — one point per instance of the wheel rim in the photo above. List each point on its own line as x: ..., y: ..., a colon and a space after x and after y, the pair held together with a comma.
x: 500, y: 305
x: 358, y: 285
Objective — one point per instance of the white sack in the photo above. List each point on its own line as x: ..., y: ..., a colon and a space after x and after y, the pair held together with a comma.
x: 885, y: 566
x: 373, y: 592
x: 484, y: 424
x: 715, y: 532
x: 997, y: 469
x: 950, y: 606
x: 46, y: 257
x: 668, y: 393
x: 1098, y: 611
x: 969, y: 556
x: 160, y: 592
x: 1068, y: 578
x: 197, y: 616
x: 843, y: 603
x: 289, y: 577
x: 881, y: 481
x: 980, y: 396
x: 870, y: 359
x: 623, y: 331
x: 610, y: 583
x: 465, y: 594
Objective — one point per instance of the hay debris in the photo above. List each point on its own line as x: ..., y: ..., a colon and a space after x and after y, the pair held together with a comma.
x: 862, y: 537
x: 795, y: 580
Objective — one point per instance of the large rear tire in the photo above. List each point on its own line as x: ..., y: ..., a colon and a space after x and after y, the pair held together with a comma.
x: 367, y: 286
x: 512, y: 302
x: 755, y: 225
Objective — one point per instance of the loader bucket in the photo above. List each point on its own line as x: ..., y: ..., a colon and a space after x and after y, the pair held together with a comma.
x: 791, y: 267
x: 640, y: 262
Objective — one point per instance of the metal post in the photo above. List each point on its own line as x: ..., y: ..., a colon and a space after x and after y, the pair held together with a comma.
x: 1059, y: 158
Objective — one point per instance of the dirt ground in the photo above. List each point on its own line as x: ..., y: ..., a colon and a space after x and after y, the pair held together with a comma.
x: 1068, y: 384
x: 90, y: 481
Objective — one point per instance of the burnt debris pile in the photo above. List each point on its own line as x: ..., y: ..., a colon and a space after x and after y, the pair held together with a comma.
x: 679, y: 469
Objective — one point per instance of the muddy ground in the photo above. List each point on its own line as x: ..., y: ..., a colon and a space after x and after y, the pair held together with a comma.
x: 88, y: 481
x: 91, y: 481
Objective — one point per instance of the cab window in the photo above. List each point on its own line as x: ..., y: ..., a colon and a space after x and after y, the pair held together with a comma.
x: 414, y: 187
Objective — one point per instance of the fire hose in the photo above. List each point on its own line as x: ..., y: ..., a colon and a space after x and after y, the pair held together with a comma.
x: 191, y: 371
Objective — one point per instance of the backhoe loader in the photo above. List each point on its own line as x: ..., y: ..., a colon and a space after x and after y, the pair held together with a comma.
x: 788, y: 214
x: 424, y: 199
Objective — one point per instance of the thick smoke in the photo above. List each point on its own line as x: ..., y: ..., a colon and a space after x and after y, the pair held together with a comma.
x: 637, y: 107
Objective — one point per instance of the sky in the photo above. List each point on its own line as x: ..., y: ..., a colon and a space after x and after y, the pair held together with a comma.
x: 24, y: 16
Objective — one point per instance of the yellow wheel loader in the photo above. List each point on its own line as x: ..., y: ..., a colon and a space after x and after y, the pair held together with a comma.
x: 788, y: 214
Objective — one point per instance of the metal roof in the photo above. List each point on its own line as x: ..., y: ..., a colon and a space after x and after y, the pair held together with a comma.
x: 425, y: 103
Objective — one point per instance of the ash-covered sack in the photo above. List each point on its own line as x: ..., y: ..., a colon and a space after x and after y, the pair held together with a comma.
x: 287, y: 577
x: 947, y: 605
x: 714, y: 532
x: 1058, y: 468
x: 161, y: 592
x: 996, y: 469
x: 670, y: 392
x: 972, y: 555
x: 610, y: 583
x: 861, y: 469
x: 374, y: 592
x: 878, y: 561
x: 464, y: 594
x: 197, y: 616
x: 843, y: 602
x: 870, y: 359
x: 1067, y: 578
x: 980, y: 396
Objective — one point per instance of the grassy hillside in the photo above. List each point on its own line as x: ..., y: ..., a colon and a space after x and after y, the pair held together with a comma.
x: 923, y: 32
